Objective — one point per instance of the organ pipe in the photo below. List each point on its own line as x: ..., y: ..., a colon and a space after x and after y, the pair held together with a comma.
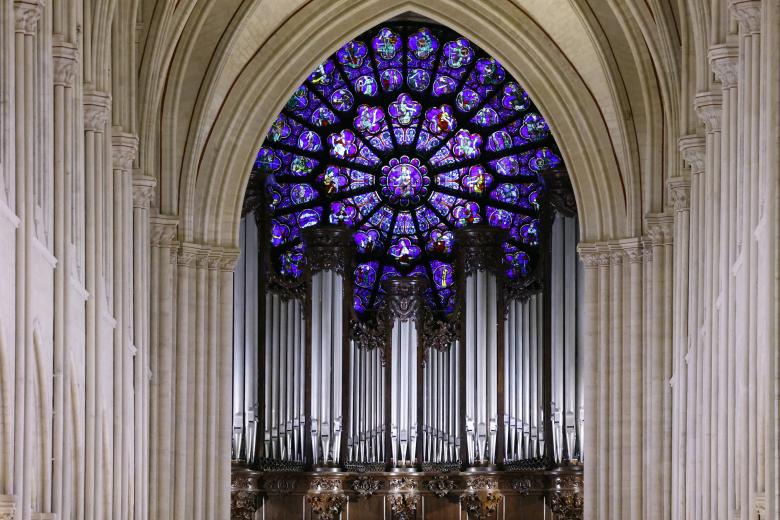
x: 403, y: 308
x: 326, y: 249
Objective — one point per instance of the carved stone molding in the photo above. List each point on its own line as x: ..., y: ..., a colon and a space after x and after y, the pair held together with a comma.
x: 404, y: 297
x: 724, y: 60
x: 747, y: 13
x: 189, y: 254
x: 366, y: 486
x: 403, y: 506
x: 7, y: 507
x: 478, y: 248
x: 328, y: 248
x: 679, y: 192
x: 65, y: 57
x: 709, y: 108
x: 634, y: 252
x: 589, y: 254
x: 660, y: 228
x: 692, y: 149
x: 440, y: 485
x: 164, y: 230
x: 559, y: 192
x: 27, y: 13
x: 123, y: 150
x: 97, y: 106
x: 143, y: 191
x: 481, y: 498
x: 227, y: 260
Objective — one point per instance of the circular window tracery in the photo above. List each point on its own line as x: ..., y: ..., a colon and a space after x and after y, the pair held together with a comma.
x: 406, y: 134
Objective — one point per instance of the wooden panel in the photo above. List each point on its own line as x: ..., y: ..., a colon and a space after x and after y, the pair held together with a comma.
x: 284, y: 507
x: 527, y: 508
x: 435, y: 508
x: 370, y: 508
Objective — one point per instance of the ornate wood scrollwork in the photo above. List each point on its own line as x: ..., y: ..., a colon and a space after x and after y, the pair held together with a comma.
x: 566, y: 498
x: 326, y: 498
x: 481, y: 497
x: 328, y: 248
x: 366, y: 486
x: 403, y: 498
x: 404, y: 297
x: 285, y: 288
x: 243, y: 497
x: 559, y: 193
x: 369, y: 334
x: 439, y: 334
x: 478, y: 248
x: 441, y: 485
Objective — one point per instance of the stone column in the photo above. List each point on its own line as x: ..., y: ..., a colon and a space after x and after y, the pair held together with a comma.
x: 143, y: 191
x: 124, y: 147
x: 748, y: 15
x: 692, y: 149
x: 27, y: 16
x: 709, y: 109
x: 65, y: 57
x: 164, y: 229
x: 723, y: 59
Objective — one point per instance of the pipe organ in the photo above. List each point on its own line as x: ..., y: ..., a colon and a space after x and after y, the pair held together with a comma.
x: 495, y: 386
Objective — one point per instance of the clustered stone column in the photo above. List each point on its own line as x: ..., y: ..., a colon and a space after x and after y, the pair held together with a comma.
x: 625, y: 348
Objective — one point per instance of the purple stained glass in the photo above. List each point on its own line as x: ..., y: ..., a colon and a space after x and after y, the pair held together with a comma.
x: 342, y: 214
x: 419, y: 79
x: 309, y: 141
x: 343, y: 144
x: 458, y: 53
x: 423, y: 44
x: 391, y: 79
x: 466, y: 145
x: 342, y: 100
x: 362, y: 144
x: 404, y: 180
x: 386, y: 44
x: 404, y: 251
x: 352, y: 54
x: 440, y: 120
x: 404, y: 109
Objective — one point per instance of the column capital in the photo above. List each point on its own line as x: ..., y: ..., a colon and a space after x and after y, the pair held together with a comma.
x: 27, y: 13
x: 328, y: 248
x: 747, y: 13
x: 66, y: 58
x: 97, y: 106
x: 478, y: 248
x: 188, y: 254
x: 404, y: 299
x: 164, y: 230
x: 143, y: 191
x: 123, y: 149
x: 692, y: 149
x: 679, y: 192
x: 708, y: 106
x: 660, y: 228
x: 228, y: 258
x: 724, y: 60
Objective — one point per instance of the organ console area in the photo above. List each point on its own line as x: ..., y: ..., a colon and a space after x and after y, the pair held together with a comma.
x: 406, y: 413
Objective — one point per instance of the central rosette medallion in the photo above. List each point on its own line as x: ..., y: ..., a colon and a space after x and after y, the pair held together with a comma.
x: 404, y: 181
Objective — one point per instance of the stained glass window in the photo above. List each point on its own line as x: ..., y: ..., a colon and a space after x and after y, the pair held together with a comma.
x: 406, y: 134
